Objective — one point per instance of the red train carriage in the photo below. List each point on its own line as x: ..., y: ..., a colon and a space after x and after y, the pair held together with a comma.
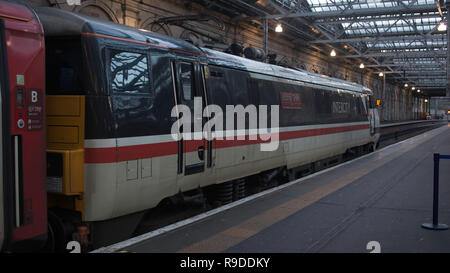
x: 23, y: 207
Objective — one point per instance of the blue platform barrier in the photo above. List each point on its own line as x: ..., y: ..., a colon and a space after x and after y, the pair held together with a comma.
x: 435, y: 225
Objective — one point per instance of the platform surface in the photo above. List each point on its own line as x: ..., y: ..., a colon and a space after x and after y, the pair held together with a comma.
x: 384, y: 197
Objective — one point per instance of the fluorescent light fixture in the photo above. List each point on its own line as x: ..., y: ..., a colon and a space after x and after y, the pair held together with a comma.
x: 442, y: 26
x: 333, y: 53
x: 278, y: 28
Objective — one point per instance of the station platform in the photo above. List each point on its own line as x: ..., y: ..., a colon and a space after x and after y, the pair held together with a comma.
x: 384, y: 196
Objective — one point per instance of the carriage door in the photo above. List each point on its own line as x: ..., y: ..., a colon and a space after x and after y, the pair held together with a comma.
x: 372, y: 122
x: 3, y: 89
x: 368, y: 104
x: 7, y: 186
x: 191, y: 150
x: 371, y: 114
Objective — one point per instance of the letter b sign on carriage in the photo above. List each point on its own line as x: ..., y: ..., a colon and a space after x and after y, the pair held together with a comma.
x: 34, y: 96
x: 35, y: 109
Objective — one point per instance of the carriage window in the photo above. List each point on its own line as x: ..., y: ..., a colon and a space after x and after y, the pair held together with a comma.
x: 129, y: 72
x: 187, y: 81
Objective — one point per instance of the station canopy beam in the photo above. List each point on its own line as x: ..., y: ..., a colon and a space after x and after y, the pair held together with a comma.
x: 389, y: 36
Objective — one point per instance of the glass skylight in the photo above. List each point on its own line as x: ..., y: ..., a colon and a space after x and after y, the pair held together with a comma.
x: 396, y: 39
x: 400, y: 42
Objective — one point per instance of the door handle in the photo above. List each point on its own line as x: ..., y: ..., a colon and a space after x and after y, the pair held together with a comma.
x: 201, y: 153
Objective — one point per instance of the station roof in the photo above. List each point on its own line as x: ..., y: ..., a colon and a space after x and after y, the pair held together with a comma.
x: 399, y: 38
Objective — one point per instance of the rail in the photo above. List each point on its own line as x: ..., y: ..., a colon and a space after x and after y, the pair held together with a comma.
x: 395, y: 130
x: 394, y: 124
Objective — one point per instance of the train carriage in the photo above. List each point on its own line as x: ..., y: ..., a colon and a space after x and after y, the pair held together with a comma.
x: 23, y: 208
x: 111, y: 91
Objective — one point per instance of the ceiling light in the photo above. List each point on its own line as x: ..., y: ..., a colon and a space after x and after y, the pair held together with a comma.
x: 418, y: 91
x: 426, y: 100
x: 333, y: 53
x: 279, y: 28
x: 406, y: 85
x: 442, y: 26
x: 413, y: 88
x: 361, y: 66
x: 381, y: 74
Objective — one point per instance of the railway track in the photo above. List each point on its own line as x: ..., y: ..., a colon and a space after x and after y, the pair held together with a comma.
x: 169, y: 212
x: 395, y: 132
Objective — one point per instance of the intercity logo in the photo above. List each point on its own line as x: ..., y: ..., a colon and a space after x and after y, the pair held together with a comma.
x: 269, y: 139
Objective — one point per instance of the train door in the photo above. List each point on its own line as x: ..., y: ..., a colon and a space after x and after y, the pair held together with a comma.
x: 372, y: 122
x: 189, y: 92
x: 23, y: 127
x: 3, y: 88
x: 204, y: 75
x: 372, y: 114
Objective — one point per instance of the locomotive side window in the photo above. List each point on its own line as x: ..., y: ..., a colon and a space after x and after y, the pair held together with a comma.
x: 218, y: 88
x: 365, y: 102
x: 187, y: 74
x: 129, y: 72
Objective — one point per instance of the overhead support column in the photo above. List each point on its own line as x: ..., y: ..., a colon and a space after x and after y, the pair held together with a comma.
x: 447, y: 5
x: 266, y: 37
x: 436, y: 108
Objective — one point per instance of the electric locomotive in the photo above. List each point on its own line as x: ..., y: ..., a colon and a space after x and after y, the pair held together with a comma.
x: 111, y: 91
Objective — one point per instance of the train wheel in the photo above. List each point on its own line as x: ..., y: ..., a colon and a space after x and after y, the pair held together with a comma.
x: 50, y: 244
x: 55, y: 238
x: 372, y: 147
x: 238, y: 189
x: 220, y: 194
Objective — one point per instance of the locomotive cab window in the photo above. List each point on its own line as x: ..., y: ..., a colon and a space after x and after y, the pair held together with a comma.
x: 129, y: 72
x: 187, y: 81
